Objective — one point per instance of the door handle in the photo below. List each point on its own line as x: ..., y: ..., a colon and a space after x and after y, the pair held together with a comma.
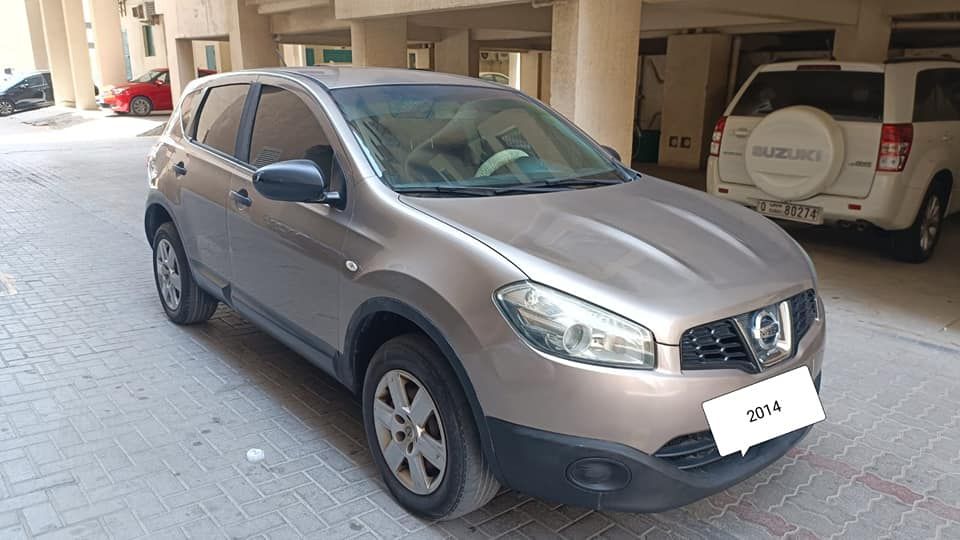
x: 179, y: 169
x: 241, y: 197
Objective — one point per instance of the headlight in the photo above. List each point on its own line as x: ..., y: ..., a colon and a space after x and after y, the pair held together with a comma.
x: 564, y: 326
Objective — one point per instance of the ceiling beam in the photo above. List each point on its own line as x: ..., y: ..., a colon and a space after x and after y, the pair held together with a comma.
x: 822, y: 11
x: 519, y: 17
x: 282, y: 6
x: 361, y: 9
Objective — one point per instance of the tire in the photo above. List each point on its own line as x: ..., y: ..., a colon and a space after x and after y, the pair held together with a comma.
x: 191, y: 304
x: 465, y: 483
x: 141, y: 106
x: 916, y: 244
x: 6, y: 107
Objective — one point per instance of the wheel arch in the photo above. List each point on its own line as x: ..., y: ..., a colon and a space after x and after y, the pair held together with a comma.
x: 404, y: 319
x: 156, y: 214
x: 943, y: 180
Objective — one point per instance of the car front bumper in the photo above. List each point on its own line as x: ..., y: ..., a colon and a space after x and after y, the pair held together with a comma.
x: 608, y: 476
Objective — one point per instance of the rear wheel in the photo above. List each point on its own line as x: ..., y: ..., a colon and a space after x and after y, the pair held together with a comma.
x: 182, y: 299
x: 421, y: 432
x: 916, y: 244
x: 141, y: 106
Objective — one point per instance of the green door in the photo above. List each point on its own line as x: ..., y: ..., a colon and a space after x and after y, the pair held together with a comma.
x: 311, y: 56
x: 211, y: 53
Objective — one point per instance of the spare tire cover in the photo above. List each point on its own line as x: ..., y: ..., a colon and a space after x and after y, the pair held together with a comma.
x: 795, y: 153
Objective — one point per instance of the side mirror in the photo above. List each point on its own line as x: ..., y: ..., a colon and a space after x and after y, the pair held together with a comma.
x: 297, y: 180
x: 613, y: 153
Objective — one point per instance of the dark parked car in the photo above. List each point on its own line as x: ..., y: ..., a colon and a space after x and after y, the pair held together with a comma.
x: 25, y: 91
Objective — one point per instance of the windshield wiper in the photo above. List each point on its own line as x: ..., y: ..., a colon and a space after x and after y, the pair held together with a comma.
x: 574, y: 182
x: 475, y: 191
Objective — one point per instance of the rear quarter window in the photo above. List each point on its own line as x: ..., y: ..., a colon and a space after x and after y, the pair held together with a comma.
x: 937, y: 96
x: 845, y: 95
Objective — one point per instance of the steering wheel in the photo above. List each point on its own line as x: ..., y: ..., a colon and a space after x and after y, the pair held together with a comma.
x: 501, y: 158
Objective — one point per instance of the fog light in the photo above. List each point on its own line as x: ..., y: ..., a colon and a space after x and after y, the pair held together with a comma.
x: 598, y: 474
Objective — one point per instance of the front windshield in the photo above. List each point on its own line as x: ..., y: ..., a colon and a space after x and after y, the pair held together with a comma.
x: 419, y: 136
x: 149, y: 76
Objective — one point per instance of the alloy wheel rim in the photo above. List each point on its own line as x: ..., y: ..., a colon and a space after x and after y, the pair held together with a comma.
x: 409, y: 432
x: 6, y: 107
x: 169, y: 278
x: 930, y: 224
x: 139, y: 106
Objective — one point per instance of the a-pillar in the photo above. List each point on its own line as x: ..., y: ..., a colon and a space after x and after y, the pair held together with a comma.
x: 182, y: 66
x: 58, y: 55
x: 251, y: 40
x: 866, y: 41
x: 457, y: 53
x: 594, y: 56
x: 79, y: 49
x: 105, y: 19
x: 694, y: 95
x: 379, y: 42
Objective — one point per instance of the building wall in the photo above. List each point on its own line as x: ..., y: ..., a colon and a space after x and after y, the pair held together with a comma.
x: 139, y: 61
x: 16, y: 46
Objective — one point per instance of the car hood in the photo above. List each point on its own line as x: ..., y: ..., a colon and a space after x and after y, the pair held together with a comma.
x: 662, y: 255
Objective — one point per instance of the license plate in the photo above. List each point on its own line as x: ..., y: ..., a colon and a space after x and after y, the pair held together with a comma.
x: 763, y: 411
x: 793, y: 212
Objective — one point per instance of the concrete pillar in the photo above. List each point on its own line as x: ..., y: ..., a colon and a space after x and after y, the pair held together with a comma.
x: 183, y: 68
x: 513, y: 70
x: 545, y: 78
x: 77, y: 45
x: 528, y: 73
x: 105, y: 19
x: 866, y: 41
x: 379, y: 42
x: 37, y: 45
x: 595, y: 47
x: 694, y: 95
x: 457, y: 53
x: 251, y: 40
x: 58, y: 55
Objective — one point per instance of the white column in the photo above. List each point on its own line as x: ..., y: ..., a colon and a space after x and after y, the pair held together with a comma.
x: 37, y: 45
x: 379, y: 42
x: 457, y: 53
x: 182, y: 64
x: 58, y: 55
x: 595, y: 50
x: 105, y: 18
x: 866, y: 41
x: 79, y: 50
x: 251, y: 40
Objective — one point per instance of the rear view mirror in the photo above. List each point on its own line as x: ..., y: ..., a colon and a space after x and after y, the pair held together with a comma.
x: 297, y: 180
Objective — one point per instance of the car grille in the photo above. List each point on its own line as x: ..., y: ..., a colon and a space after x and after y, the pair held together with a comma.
x: 697, y: 450
x: 719, y: 345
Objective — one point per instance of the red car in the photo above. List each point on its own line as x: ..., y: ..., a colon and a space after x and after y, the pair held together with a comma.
x: 143, y: 95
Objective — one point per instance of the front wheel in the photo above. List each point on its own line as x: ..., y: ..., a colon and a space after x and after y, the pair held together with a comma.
x: 6, y: 107
x: 141, y: 106
x: 421, y: 432
x: 916, y: 244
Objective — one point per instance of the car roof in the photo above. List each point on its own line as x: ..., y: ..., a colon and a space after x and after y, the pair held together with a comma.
x: 332, y: 77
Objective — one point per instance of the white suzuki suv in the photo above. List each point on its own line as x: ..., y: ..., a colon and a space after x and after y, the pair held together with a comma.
x: 851, y: 144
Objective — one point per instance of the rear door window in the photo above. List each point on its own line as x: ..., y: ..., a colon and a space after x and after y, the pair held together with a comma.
x: 937, y: 96
x: 845, y: 95
x: 220, y: 115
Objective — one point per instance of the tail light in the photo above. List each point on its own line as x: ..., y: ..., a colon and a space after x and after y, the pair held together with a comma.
x: 895, y: 143
x: 717, y: 136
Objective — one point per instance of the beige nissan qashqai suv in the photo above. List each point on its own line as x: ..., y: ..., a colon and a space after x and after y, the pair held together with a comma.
x: 512, y: 305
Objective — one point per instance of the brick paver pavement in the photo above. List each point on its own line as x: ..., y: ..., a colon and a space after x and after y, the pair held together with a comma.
x: 116, y: 423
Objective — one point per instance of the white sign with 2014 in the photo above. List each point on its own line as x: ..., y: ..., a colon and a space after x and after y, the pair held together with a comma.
x: 763, y: 411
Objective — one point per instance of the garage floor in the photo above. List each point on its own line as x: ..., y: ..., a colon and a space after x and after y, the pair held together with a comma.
x: 114, y: 422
